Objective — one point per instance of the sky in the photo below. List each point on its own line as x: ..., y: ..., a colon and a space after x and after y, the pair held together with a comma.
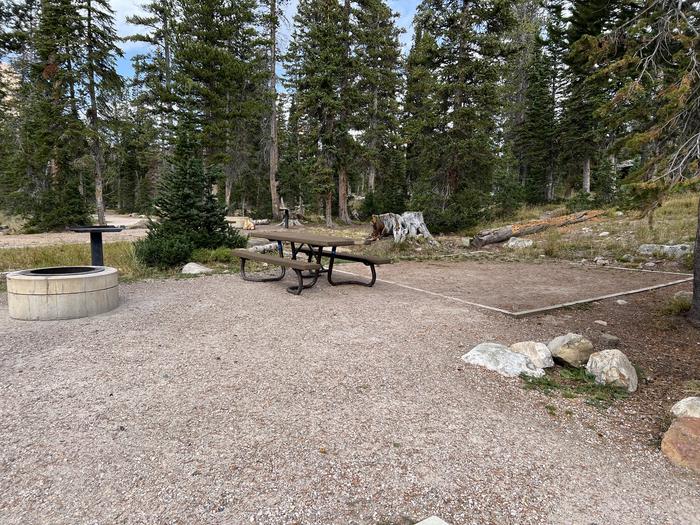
x: 124, y: 8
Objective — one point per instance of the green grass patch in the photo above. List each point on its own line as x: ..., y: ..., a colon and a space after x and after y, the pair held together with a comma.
x: 573, y: 383
x: 119, y: 255
x: 677, y: 306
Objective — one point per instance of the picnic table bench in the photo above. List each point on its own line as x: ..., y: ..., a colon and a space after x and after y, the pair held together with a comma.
x: 315, y: 247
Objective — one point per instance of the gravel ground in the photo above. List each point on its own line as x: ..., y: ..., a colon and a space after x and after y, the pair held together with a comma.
x: 214, y: 400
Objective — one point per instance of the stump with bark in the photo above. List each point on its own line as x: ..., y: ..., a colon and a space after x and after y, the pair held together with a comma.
x: 408, y: 225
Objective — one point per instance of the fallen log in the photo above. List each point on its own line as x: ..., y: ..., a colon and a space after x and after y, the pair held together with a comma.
x: 521, y: 229
x: 408, y: 225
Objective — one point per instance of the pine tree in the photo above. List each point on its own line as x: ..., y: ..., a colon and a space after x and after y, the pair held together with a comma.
x: 100, y: 80
x: 190, y: 215
x: 317, y: 65
x: 154, y: 71
x: 378, y: 85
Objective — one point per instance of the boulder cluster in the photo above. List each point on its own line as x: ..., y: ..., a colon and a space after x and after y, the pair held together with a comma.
x: 530, y: 358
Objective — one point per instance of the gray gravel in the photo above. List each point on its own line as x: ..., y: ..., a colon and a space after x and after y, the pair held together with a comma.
x: 213, y: 400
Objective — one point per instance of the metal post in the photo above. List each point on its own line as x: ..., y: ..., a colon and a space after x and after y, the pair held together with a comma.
x: 96, y: 248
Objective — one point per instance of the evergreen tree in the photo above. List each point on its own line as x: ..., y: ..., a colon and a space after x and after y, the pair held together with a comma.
x: 190, y: 215
x: 378, y: 85
x: 317, y: 65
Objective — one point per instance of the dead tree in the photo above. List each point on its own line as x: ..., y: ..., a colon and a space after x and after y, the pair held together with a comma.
x: 408, y: 225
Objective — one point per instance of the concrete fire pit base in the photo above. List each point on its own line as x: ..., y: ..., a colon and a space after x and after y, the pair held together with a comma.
x: 64, y: 292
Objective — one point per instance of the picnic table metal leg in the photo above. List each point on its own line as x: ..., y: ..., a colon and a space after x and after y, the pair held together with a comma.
x: 362, y: 283
x: 296, y: 290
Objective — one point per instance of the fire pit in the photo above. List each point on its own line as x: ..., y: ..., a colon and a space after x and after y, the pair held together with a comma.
x: 63, y: 292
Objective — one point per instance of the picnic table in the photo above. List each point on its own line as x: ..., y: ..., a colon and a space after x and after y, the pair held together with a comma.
x: 314, y: 247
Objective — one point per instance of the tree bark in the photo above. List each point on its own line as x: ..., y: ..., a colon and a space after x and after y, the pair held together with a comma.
x: 587, y: 175
x: 96, y: 147
x: 329, y: 210
x: 274, y: 147
x: 343, y: 214
x: 409, y: 225
x: 694, y: 313
x: 528, y: 228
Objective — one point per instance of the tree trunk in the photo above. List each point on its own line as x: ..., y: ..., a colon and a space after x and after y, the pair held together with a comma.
x: 587, y: 175
x: 549, y: 190
x: 343, y: 214
x: 96, y: 147
x: 529, y: 227
x: 694, y: 313
x: 329, y: 210
x: 409, y: 225
x: 274, y: 148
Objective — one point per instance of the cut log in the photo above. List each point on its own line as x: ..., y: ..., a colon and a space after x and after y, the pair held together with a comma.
x: 408, y: 225
x: 264, y: 248
x: 521, y: 229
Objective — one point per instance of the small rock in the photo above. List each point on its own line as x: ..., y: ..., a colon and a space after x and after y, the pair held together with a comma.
x: 538, y: 353
x: 572, y: 349
x: 681, y: 443
x: 683, y: 295
x: 500, y: 359
x: 649, y: 264
x: 466, y: 241
x: 601, y: 261
x: 627, y: 258
x: 195, y: 269
x: 603, y: 234
x: 600, y: 322
x: 138, y: 225
x: 622, y: 302
x: 611, y: 367
x: 609, y: 339
x: 619, y: 214
x: 516, y: 243
x: 688, y: 407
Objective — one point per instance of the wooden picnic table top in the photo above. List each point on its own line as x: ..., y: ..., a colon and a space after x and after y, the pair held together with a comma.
x: 311, y: 239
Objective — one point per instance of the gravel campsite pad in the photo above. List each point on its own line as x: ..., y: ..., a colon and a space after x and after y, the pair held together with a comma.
x: 214, y: 400
x: 518, y: 286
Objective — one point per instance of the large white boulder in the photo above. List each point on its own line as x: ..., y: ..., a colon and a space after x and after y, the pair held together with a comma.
x: 538, y: 353
x: 195, y: 269
x: 675, y: 251
x: 611, y: 367
x: 500, y: 359
x: 572, y: 349
x: 688, y: 407
x: 516, y: 243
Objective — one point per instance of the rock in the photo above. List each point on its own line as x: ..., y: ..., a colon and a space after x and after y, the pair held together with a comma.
x: 195, y: 269
x: 681, y: 443
x: 649, y: 264
x: 683, y: 295
x: 572, y: 349
x: 516, y: 243
x: 622, y: 302
x: 466, y: 241
x: 500, y: 359
x: 673, y: 251
x: 601, y: 261
x: 609, y: 339
x: 628, y: 257
x: 611, y: 367
x: 432, y: 520
x: 538, y: 353
x: 138, y: 225
x: 600, y: 322
x: 619, y: 214
x: 688, y: 407
x: 603, y: 234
